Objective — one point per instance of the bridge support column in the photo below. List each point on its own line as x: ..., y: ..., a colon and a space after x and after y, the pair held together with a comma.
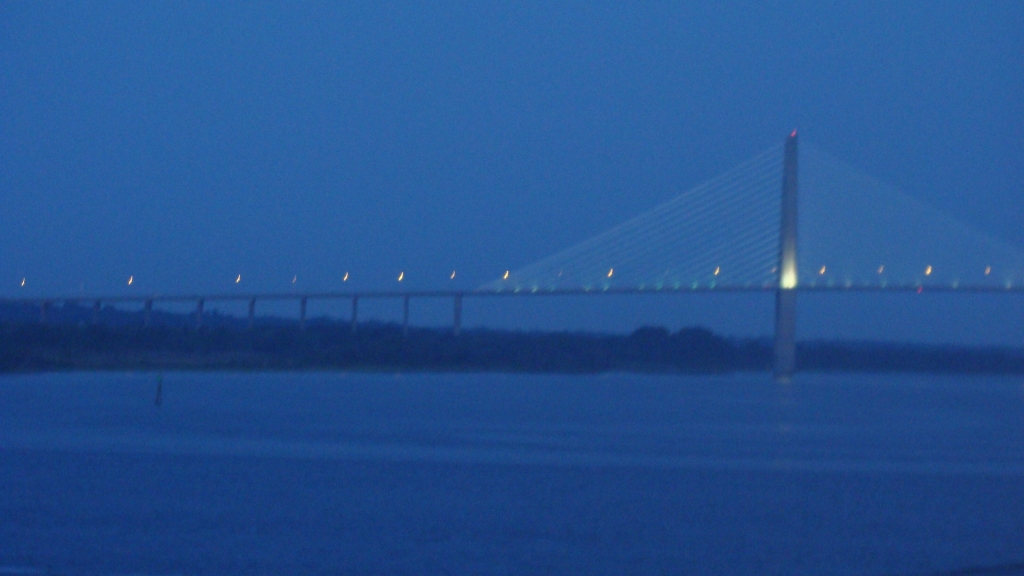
x: 252, y: 312
x: 785, y: 335
x: 355, y: 313
x: 405, y: 317
x: 96, y: 311
x: 44, y: 307
x: 147, y: 314
x: 457, y: 320
x: 199, y: 312
x: 785, y: 296
x: 302, y: 313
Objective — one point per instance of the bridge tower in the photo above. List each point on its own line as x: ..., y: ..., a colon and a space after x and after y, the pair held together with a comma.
x: 785, y: 294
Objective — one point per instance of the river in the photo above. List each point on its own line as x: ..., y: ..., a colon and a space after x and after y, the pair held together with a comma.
x: 335, y: 473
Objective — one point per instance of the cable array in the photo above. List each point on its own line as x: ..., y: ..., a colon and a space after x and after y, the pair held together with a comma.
x: 853, y: 231
x: 857, y: 231
x: 723, y: 232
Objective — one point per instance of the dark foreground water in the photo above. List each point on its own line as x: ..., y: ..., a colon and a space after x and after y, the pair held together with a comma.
x: 510, y: 474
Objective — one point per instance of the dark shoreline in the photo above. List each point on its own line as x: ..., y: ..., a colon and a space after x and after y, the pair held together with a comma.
x: 119, y: 341
x: 329, y: 345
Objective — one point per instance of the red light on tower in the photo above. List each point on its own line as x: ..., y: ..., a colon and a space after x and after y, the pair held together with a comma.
x: 793, y: 135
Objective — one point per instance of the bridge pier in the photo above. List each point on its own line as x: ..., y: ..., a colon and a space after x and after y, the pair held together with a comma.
x: 147, y: 314
x: 96, y: 311
x: 302, y: 313
x: 785, y: 335
x: 252, y: 312
x: 457, y: 320
x: 405, y: 317
x: 355, y: 313
x: 44, y: 307
x: 785, y: 295
x: 199, y: 312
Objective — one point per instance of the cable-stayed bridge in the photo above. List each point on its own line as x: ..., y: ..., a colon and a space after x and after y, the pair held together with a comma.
x: 785, y: 221
x: 843, y: 230
x: 853, y: 231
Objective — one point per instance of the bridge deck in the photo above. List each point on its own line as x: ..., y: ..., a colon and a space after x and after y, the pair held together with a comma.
x: 382, y: 294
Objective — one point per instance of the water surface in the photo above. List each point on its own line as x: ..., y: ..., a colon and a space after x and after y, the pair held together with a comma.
x: 508, y: 474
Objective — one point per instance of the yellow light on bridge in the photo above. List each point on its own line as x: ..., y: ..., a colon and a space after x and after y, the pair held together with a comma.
x: 22, y: 281
x: 401, y: 276
x: 610, y: 272
x: 822, y: 271
x: 505, y: 277
x: 130, y: 280
x: 928, y: 271
x: 717, y: 270
x: 238, y: 279
x: 881, y: 269
x: 988, y: 270
x: 453, y: 275
x: 345, y: 277
x: 294, y: 279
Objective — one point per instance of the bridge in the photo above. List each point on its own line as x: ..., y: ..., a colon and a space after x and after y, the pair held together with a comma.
x: 743, y: 231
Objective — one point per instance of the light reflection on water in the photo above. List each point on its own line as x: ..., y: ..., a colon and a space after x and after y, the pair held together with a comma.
x: 236, y: 473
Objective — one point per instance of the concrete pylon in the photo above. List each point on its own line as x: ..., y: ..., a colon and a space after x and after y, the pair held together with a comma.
x: 785, y: 294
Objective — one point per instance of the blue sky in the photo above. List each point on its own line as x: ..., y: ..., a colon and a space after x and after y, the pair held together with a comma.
x: 184, y: 144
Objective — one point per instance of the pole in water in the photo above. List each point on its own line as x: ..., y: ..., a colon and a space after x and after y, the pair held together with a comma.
x: 159, y: 390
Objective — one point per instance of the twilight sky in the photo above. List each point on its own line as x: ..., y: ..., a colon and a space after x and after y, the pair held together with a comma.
x: 184, y: 144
